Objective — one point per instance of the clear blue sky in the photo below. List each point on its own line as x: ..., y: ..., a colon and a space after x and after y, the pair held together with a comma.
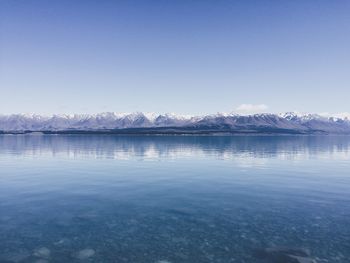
x: 190, y: 57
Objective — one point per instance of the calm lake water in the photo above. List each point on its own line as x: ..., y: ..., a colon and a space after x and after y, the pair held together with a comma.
x: 173, y: 198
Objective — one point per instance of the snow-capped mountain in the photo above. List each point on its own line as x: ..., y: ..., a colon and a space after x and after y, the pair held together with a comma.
x: 271, y: 123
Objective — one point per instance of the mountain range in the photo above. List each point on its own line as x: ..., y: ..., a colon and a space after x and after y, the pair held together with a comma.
x: 145, y: 123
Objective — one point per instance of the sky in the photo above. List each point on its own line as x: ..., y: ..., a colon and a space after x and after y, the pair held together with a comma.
x: 186, y: 57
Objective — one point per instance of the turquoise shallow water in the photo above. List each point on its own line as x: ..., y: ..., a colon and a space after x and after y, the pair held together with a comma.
x: 172, y: 198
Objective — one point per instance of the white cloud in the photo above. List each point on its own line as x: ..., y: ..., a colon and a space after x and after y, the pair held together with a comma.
x: 251, y: 108
x: 341, y: 115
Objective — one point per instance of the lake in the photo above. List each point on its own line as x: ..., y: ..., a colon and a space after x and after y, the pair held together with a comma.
x: 161, y: 199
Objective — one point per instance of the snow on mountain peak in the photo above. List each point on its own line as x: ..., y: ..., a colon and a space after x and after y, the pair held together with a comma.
x: 114, y: 120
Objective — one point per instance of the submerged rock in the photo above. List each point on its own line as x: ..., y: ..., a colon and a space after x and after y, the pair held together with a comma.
x: 285, y: 255
x: 85, y: 253
x: 42, y: 252
x: 303, y: 259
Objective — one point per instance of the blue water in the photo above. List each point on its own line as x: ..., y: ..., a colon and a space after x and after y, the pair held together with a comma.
x: 172, y: 198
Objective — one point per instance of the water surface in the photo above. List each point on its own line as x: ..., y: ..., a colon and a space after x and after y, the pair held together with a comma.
x: 172, y: 198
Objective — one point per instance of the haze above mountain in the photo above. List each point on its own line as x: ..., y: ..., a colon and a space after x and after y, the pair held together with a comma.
x: 221, y: 122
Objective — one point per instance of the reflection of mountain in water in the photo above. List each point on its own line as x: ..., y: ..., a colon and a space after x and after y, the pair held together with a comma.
x: 123, y: 147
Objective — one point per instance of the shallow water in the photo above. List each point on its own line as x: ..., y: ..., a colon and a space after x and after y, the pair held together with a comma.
x: 172, y: 198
